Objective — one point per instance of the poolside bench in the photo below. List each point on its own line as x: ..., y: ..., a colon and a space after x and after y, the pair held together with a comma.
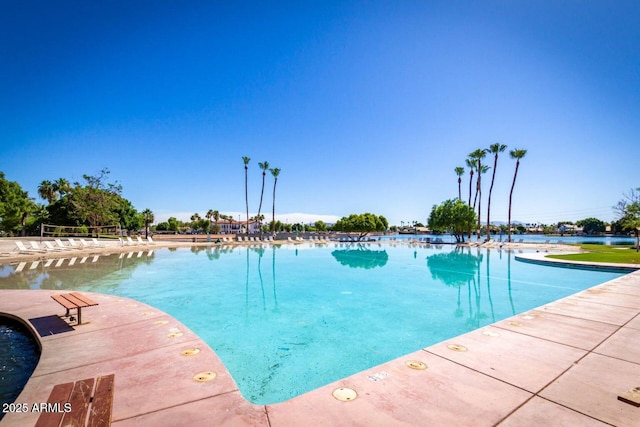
x: 69, y: 403
x: 74, y: 300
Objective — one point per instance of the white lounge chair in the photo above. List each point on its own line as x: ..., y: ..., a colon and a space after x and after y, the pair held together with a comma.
x: 24, y: 250
x: 49, y: 246
x: 97, y: 243
x: 60, y: 244
x: 36, y: 246
x: 140, y: 241
x: 130, y: 241
x: 74, y: 244
x: 150, y: 240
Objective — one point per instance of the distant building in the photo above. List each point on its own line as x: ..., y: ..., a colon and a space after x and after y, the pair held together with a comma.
x: 235, y: 227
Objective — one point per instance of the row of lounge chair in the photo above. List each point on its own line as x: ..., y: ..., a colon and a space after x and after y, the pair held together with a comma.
x: 57, y: 245
x: 128, y: 241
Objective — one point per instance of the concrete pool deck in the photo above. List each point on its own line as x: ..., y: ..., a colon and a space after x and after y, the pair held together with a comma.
x: 563, y: 363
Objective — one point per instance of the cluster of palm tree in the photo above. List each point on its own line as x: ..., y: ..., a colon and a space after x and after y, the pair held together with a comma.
x: 264, y: 166
x: 52, y: 191
x: 476, y: 167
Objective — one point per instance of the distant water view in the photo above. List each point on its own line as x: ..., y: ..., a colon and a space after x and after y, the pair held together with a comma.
x: 527, y: 238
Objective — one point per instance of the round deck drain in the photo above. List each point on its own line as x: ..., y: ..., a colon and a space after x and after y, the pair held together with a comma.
x: 175, y: 334
x: 132, y: 305
x: 491, y: 333
x: 344, y: 394
x: 457, y: 347
x: 416, y: 364
x: 515, y: 323
x: 147, y: 313
x: 190, y: 352
x: 160, y: 322
x: 203, y: 377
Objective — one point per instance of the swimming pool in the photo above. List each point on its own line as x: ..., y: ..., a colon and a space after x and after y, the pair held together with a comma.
x: 19, y: 355
x: 288, y: 319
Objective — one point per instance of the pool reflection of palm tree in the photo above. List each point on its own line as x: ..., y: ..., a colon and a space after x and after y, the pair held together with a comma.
x: 458, y: 269
x: 273, y: 278
x: 360, y: 257
x: 513, y: 308
x: 260, y: 252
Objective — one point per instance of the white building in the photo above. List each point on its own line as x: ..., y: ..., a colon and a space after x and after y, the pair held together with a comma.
x: 235, y: 227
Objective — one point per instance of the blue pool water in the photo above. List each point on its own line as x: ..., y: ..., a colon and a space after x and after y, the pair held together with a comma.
x: 288, y: 319
x: 19, y: 355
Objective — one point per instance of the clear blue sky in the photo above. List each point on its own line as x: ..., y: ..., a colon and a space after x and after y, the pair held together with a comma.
x: 364, y: 105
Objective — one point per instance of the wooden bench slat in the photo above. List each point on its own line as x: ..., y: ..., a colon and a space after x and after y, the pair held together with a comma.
x: 60, y: 395
x: 88, y: 302
x: 64, y: 302
x: 79, y: 400
x: 76, y: 301
x: 100, y: 413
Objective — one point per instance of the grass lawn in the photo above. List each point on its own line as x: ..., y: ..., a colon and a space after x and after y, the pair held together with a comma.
x: 604, y: 253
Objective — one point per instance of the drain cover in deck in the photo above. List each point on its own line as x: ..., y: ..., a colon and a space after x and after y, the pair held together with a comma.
x: 457, y: 347
x: 190, y: 352
x: 203, y: 377
x: 416, y: 364
x: 344, y: 394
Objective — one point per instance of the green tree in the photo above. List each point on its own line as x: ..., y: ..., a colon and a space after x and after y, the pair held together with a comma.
x: 246, y: 188
x: 320, y: 226
x: 516, y: 154
x: 592, y: 225
x: 174, y: 225
x: 264, y: 166
x: 16, y: 207
x: 275, y: 172
x: 494, y: 149
x: 459, y: 171
x: 628, y: 209
x: 127, y: 216
x: 147, y: 219
x: 96, y: 202
x: 453, y: 216
x: 47, y: 191
x: 362, y: 224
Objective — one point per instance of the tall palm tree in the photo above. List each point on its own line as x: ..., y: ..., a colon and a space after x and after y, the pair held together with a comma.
x: 483, y: 169
x: 148, y: 218
x: 459, y: 171
x: 47, y: 191
x: 471, y: 164
x: 275, y: 172
x: 216, y: 218
x: 246, y: 160
x: 494, y: 149
x: 264, y: 166
x: 515, y: 154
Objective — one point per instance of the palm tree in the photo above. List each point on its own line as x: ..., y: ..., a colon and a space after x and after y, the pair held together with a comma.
x: 515, y: 154
x: 483, y: 169
x: 148, y: 218
x: 459, y: 171
x: 62, y: 186
x: 275, y: 172
x: 477, y: 157
x: 216, y: 218
x: 494, y: 149
x: 246, y: 160
x: 47, y: 191
x: 264, y: 166
x: 471, y: 164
